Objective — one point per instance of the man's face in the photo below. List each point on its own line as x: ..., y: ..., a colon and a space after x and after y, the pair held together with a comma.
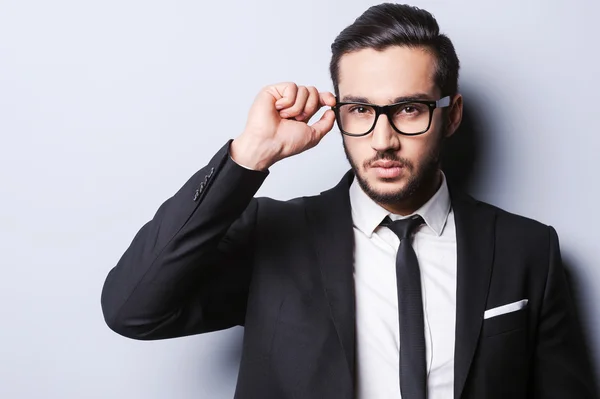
x: 391, y: 167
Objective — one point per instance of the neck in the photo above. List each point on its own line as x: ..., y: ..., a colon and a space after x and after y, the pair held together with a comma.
x: 426, y: 190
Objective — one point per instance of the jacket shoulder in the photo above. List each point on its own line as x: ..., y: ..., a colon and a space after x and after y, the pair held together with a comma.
x: 511, y: 217
x: 518, y: 227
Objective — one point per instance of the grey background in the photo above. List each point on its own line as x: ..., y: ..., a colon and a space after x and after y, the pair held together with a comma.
x: 106, y: 108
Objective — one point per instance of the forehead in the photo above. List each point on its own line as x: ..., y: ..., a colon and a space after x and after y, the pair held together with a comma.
x: 384, y: 75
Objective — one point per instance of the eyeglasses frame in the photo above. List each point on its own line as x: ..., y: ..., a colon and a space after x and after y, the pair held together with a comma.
x: 385, y: 109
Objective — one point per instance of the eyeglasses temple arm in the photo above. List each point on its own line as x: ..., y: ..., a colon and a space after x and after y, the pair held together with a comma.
x: 443, y: 102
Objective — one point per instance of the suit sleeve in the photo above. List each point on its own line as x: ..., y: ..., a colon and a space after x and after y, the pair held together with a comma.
x: 562, y: 368
x: 187, y: 271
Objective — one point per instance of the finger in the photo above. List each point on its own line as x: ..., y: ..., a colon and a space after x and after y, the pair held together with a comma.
x: 298, y: 106
x: 285, y: 93
x: 327, y: 98
x: 312, y: 104
x: 323, y: 125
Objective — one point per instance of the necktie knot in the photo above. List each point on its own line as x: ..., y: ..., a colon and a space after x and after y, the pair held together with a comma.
x: 403, y: 228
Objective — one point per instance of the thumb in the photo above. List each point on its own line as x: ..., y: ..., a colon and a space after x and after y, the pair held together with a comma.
x: 321, y: 127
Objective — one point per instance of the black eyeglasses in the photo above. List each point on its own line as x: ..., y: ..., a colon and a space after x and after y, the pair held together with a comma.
x: 409, y: 118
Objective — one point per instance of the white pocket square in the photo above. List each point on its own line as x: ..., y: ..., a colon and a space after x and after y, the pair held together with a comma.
x: 509, y: 308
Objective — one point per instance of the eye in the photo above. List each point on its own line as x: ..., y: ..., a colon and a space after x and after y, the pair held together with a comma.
x: 411, y: 110
x: 359, y: 109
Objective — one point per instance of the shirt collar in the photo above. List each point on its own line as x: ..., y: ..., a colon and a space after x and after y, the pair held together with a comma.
x: 367, y: 215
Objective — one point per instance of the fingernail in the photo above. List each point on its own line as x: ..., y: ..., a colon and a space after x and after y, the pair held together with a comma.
x: 285, y: 115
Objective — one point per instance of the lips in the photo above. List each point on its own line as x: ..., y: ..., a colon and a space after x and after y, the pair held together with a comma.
x: 387, y: 169
x: 386, y: 164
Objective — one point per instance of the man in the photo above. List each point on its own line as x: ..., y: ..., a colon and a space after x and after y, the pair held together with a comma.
x: 393, y: 284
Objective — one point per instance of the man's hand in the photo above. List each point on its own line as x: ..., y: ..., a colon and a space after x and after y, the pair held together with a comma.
x: 277, y: 125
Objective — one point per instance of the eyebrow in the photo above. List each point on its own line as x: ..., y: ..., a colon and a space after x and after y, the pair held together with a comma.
x: 412, y: 97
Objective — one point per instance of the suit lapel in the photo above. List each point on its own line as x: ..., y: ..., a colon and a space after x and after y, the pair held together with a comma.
x: 330, y: 222
x: 475, y: 226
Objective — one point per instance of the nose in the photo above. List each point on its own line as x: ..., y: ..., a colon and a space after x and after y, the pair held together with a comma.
x: 384, y: 137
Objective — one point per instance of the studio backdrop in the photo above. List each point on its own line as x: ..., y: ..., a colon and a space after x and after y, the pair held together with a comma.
x: 108, y: 107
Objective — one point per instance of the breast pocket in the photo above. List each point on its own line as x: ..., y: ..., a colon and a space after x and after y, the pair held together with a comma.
x: 505, y: 323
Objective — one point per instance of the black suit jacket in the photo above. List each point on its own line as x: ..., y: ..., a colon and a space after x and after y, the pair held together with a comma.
x: 214, y: 257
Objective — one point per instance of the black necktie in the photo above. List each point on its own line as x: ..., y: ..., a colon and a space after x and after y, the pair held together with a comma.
x: 413, y: 367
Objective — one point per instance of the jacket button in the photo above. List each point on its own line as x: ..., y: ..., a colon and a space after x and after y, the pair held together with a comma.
x: 196, y: 195
x: 212, y: 170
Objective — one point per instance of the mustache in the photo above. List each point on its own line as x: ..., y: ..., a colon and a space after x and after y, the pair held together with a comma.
x: 388, y: 156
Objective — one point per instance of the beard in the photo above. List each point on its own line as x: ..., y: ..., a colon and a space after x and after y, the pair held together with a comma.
x: 419, y: 178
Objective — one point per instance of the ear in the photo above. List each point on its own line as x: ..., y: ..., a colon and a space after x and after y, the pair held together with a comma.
x: 455, y: 114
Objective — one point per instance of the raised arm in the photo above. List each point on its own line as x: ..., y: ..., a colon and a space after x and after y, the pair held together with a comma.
x: 188, y: 269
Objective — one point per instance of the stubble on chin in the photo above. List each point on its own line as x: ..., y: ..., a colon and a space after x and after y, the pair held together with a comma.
x: 409, y: 184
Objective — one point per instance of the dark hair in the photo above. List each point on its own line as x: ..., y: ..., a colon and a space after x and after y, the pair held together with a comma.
x: 389, y: 24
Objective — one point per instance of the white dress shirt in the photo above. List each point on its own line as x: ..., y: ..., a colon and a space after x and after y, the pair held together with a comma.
x: 377, y: 330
